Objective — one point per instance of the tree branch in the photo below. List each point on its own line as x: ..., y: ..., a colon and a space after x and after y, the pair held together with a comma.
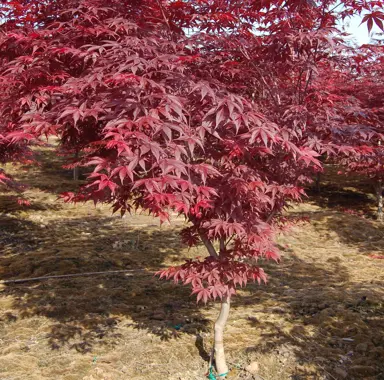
x: 263, y: 80
x: 222, y: 244
x: 208, y: 244
x: 229, y: 240
x: 271, y: 215
x: 163, y: 13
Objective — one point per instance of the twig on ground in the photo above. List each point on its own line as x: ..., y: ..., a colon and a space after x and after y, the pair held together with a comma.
x: 131, y: 272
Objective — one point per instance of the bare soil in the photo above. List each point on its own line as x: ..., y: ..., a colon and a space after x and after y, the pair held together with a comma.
x: 321, y: 316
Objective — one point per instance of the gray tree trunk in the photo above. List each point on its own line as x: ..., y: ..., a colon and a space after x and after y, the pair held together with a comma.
x: 317, y: 183
x: 221, y: 364
x: 379, y: 195
x: 76, y: 173
x: 76, y: 169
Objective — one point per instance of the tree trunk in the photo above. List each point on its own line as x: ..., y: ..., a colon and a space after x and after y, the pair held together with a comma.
x: 379, y: 194
x: 221, y: 364
x: 222, y: 245
x: 318, y: 178
x: 76, y: 169
x: 76, y: 173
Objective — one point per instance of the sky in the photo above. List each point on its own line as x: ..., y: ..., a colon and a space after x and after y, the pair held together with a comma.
x: 359, y: 32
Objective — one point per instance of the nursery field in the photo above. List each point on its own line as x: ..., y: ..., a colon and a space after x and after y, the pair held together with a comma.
x: 321, y: 315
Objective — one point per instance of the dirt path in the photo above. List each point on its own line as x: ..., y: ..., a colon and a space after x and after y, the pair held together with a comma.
x: 320, y: 317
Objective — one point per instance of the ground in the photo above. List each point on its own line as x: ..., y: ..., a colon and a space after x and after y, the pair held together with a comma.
x: 321, y: 315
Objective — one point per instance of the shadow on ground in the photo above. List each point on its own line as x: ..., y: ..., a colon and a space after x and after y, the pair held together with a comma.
x: 47, y: 173
x: 83, y: 313
x: 86, y: 311
x: 338, y: 198
x: 344, y: 192
x: 358, y: 232
x: 316, y: 317
x: 312, y: 312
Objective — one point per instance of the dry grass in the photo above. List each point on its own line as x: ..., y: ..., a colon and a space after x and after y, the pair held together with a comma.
x: 320, y: 317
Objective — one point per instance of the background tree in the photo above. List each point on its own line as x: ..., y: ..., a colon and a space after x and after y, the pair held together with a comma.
x: 291, y: 62
x: 363, y: 81
x: 13, y: 148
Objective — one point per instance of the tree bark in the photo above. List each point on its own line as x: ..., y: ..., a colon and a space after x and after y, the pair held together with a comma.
x: 76, y: 173
x: 222, y: 244
x: 379, y: 195
x: 76, y: 169
x: 221, y: 364
x: 318, y: 178
x: 208, y: 244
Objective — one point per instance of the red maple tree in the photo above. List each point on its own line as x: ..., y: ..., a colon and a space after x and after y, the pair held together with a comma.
x: 362, y: 81
x: 219, y: 126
